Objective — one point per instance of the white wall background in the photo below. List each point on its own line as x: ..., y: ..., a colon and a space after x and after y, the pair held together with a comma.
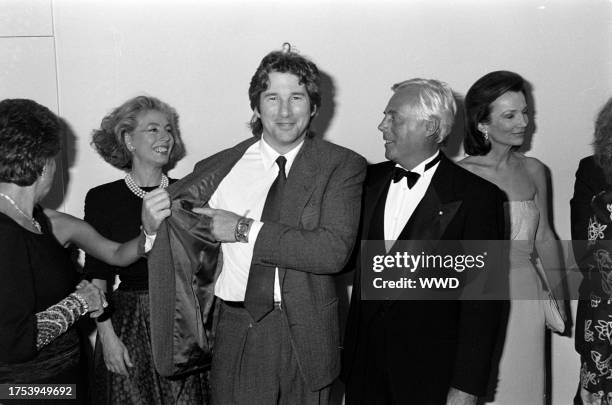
x: 199, y: 57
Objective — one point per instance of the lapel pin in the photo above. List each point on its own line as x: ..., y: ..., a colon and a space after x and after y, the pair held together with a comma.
x: 440, y: 212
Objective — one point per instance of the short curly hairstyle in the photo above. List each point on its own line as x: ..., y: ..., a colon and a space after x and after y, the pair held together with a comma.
x: 283, y: 62
x: 109, y: 139
x: 478, y: 102
x: 603, y: 139
x: 29, y: 137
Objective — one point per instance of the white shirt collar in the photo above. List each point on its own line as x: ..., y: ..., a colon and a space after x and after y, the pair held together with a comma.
x: 420, y: 168
x: 269, y: 155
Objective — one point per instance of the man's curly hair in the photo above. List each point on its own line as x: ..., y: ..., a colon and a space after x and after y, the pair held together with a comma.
x: 283, y: 62
x: 29, y: 137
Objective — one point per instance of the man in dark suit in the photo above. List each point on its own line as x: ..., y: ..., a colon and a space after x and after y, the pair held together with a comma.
x: 421, y: 352
x: 284, y: 206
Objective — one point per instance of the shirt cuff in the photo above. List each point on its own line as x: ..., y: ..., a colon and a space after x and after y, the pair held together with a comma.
x: 149, y: 241
x: 254, y: 231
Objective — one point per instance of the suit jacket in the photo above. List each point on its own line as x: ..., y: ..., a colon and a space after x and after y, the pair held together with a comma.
x: 311, y: 242
x: 430, y: 345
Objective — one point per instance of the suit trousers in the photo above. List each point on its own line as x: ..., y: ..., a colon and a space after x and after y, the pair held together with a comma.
x: 372, y: 368
x: 254, y: 363
x: 386, y: 385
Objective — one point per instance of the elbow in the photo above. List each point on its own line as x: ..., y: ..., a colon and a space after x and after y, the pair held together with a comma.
x: 334, y: 258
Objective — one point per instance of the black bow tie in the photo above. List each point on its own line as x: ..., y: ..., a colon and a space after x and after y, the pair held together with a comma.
x: 412, y: 177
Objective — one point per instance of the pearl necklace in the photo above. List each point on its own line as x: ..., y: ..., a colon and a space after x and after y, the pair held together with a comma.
x: 140, y: 193
x: 14, y: 204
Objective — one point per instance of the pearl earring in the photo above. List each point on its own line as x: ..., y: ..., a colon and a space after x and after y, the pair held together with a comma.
x: 485, y: 135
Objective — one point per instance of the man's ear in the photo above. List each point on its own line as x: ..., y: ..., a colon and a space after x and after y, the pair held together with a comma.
x: 256, y: 112
x: 314, y: 112
x: 432, y: 126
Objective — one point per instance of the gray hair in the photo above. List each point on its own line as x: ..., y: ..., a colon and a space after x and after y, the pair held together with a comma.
x: 434, y: 100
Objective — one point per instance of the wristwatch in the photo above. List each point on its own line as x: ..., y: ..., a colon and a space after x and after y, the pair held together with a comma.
x: 243, y: 226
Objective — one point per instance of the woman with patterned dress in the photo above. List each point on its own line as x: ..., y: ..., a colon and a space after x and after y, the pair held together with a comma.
x: 141, y: 137
x: 40, y: 305
x: 496, y: 120
x: 591, y: 213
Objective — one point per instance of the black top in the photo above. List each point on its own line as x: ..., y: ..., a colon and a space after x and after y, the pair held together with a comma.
x: 114, y: 211
x: 35, y: 273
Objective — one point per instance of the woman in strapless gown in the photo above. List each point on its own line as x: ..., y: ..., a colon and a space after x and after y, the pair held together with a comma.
x: 496, y: 120
x: 521, y: 378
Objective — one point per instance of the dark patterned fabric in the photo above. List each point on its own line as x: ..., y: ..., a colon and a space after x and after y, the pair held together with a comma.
x: 56, y: 319
x: 144, y: 386
x: 592, y: 235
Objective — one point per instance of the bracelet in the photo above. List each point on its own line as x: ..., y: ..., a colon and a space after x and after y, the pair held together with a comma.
x: 82, y: 301
x: 146, y: 234
x: 107, y: 314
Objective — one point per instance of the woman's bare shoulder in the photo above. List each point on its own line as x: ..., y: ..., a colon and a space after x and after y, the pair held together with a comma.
x: 474, y: 164
x: 533, y: 165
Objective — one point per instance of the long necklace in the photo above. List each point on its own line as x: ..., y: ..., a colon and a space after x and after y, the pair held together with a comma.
x: 14, y: 204
x: 140, y: 193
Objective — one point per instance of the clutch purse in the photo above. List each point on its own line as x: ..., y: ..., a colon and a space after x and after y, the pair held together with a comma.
x: 552, y: 314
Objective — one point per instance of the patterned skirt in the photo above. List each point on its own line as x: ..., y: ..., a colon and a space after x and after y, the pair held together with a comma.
x: 143, y: 386
x: 594, y: 344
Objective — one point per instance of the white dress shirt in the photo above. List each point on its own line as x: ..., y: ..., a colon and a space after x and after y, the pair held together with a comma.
x: 244, y: 191
x: 402, y: 201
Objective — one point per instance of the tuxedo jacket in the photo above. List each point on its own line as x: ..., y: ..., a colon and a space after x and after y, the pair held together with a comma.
x: 429, y: 345
x: 311, y: 242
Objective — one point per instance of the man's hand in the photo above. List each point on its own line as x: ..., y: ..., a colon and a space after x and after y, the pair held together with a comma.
x: 223, y: 223
x: 457, y: 397
x: 155, y: 208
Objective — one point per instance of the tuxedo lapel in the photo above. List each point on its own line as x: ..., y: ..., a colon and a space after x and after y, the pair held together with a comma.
x: 436, y: 209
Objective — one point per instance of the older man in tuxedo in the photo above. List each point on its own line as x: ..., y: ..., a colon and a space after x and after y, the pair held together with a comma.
x: 421, y: 352
x: 284, y: 208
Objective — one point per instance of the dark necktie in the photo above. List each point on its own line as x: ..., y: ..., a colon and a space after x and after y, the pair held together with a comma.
x: 259, y: 297
x: 412, y: 177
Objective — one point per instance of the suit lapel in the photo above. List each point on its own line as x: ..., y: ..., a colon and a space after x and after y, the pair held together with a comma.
x: 299, y: 188
x: 377, y: 187
x: 300, y: 183
x: 197, y: 188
